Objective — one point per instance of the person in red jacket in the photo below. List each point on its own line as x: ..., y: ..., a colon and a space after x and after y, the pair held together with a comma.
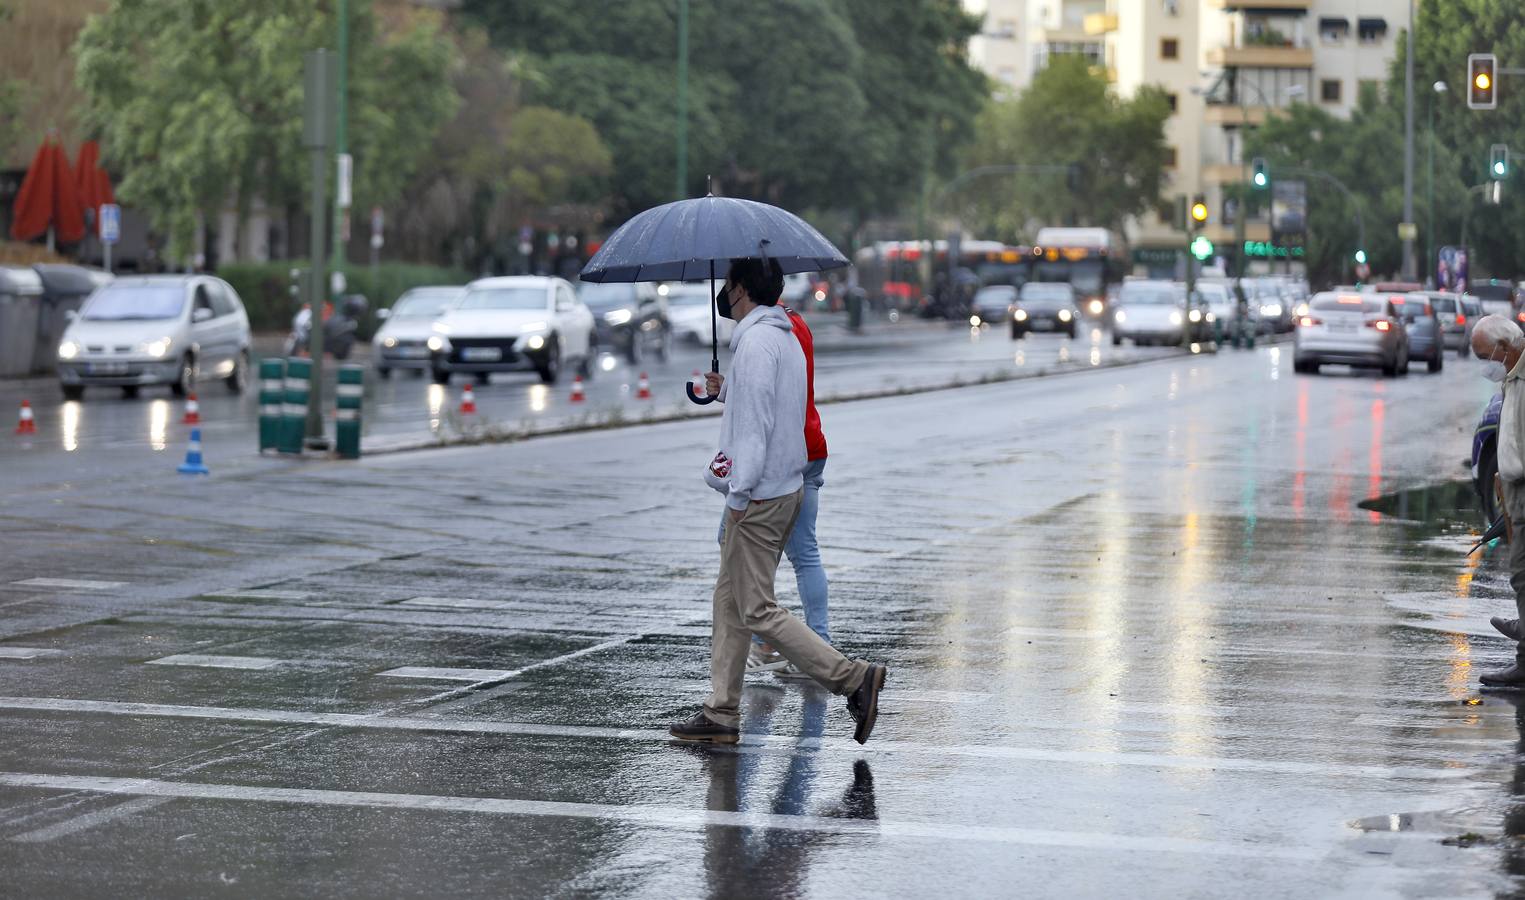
x: 802, y: 548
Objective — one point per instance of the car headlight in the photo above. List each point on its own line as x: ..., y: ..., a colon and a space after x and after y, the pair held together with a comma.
x: 1196, y: 315
x: 1271, y: 309
x: 68, y: 350
x: 157, y: 349
x: 1096, y: 307
x: 436, y: 343
x: 1020, y: 315
x: 1175, y: 318
x: 535, y: 342
x: 1064, y: 315
x: 1120, y: 318
x: 974, y: 321
x: 389, y: 342
x: 614, y: 317
x: 1211, y: 318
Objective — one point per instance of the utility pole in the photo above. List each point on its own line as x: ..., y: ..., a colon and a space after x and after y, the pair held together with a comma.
x: 1410, y: 269
x: 344, y: 169
x: 1429, y: 228
x: 317, y: 137
x: 682, y: 187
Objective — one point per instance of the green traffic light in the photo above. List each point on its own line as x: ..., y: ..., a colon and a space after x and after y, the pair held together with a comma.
x: 1361, y: 257
x: 1260, y: 179
x: 1498, y: 168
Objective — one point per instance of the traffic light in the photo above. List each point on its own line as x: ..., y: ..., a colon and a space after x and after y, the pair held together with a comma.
x: 1199, y: 210
x: 1258, y: 175
x: 1361, y: 257
x: 1482, y: 81
x: 1202, y: 248
x: 1498, y: 162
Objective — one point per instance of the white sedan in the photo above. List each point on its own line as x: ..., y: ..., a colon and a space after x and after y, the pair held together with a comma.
x: 514, y: 324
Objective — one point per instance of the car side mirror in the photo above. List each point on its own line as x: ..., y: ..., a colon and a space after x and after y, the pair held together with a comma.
x: 383, y: 314
x: 201, y: 314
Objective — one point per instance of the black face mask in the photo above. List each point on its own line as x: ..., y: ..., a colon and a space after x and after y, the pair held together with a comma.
x: 723, y: 303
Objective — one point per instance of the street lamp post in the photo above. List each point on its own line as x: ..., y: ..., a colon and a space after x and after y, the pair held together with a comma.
x: 1409, y: 267
x: 1429, y: 228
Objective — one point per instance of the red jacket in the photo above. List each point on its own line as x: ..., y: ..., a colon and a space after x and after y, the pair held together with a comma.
x: 815, y: 440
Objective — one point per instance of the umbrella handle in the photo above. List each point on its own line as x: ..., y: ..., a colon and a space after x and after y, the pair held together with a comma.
x: 702, y: 401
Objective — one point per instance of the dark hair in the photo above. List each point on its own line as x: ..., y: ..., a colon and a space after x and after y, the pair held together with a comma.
x: 763, y: 285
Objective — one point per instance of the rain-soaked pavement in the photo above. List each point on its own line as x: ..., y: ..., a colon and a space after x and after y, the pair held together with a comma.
x: 1146, y: 637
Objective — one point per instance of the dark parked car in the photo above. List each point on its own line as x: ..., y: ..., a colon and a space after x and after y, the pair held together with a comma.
x: 630, y: 318
x: 1045, y: 306
x: 992, y: 305
x: 1427, y: 339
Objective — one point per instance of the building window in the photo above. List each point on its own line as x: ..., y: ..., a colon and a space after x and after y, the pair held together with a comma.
x: 1172, y: 99
x: 1006, y: 28
x: 1170, y: 48
x: 1329, y: 90
x: 1333, y: 30
x: 1371, y: 31
x: 1170, y: 157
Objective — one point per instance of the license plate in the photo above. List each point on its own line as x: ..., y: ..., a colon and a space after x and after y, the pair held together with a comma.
x: 1042, y: 325
x: 481, y: 354
x: 1345, y: 329
x: 410, y: 352
x: 108, y: 368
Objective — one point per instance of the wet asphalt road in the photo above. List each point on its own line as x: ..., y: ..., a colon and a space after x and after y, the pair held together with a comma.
x: 1143, y: 640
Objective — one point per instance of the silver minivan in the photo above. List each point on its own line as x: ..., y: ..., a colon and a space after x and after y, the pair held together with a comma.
x: 156, y: 329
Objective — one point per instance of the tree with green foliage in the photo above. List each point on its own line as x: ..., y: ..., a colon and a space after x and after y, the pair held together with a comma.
x: 199, y: 104
x: 10, y: 100
x: 1067, y: 116
x: 806, y: 103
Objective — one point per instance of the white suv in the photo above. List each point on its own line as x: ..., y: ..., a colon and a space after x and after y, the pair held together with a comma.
x: 514, y: 324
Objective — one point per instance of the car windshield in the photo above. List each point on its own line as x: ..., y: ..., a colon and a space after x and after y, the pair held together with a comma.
x: 505, y: 298
x: 1213, y: 294
x: 423, y: 303
x: 1147, y: 295
x: 607, y: 296
x: 1412, y: 306
x: 1047, y: 293
x: 996, y: 295
x: 121, y: 302
x: 1444, y: 304
x: 1350, y: 304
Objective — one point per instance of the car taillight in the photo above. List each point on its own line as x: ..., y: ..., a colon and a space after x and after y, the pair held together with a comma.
x: 1380, y: 325
x: 1461, y: 319
x: 1309, y: 321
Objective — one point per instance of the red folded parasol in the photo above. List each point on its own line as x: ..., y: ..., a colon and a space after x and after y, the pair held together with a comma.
x: 90, y: 179
x: 48, y: 198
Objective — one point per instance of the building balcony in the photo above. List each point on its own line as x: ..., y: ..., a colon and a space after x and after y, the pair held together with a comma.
x: 1261, y: 57
x: 1100, y: 23
x: 1278, y: 5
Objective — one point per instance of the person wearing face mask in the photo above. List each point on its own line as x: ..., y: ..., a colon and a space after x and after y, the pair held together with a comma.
x: 1499, y: 345
x: 760, y: 470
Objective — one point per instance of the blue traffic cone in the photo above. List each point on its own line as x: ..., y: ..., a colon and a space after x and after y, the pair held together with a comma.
x: 193, y: 464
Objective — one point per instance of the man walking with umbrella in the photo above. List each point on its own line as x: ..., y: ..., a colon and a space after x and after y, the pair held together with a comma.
x: 760, y: 469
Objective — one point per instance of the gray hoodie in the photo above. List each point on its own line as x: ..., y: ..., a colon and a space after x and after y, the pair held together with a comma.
x: 762, y: 433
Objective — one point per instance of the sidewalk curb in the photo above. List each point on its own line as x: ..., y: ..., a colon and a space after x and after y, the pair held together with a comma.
x: 492, y: 434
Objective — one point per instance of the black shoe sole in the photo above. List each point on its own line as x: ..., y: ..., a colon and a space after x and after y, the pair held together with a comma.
x: 876, y: 677
x: 706, y: 738
x: 1512, y: 631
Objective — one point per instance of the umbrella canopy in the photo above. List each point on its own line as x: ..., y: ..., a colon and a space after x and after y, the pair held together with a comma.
x: 693, y: 239
x: 92, y: 182
x: 48, y: 198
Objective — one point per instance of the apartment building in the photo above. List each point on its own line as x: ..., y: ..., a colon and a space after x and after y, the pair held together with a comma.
x: 1225, y: 64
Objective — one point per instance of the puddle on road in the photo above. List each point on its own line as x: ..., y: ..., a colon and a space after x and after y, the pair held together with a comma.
x: 1447, y: 507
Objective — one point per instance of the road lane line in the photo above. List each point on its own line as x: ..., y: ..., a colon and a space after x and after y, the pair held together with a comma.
x: 471, y: 675
x: 750, y: 743
x: 260, y: 594
x: 70, y: 583
x: 656, y: 816
x: 27, y: 652
x: 456, y: 603
x: 90, y: 820
x: 216, y: 662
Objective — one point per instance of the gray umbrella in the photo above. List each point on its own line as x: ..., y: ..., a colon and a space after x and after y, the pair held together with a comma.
x: 693, y: 239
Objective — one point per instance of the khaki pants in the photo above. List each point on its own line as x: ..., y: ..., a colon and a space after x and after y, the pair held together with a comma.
x: 744, y: 605
x: 1514, y: 506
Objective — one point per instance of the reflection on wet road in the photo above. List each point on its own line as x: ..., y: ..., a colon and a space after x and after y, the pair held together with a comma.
x: 1145, y: 638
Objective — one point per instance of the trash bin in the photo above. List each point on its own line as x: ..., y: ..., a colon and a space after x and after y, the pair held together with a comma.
x: 855, y: 309
x: 64, y: 289
x: 20, y: 303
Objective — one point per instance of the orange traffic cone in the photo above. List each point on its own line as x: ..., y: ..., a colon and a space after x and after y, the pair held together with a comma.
x: 468, y: 402
x: 644, y: 393
x: 192, y: 411
x: 577, y: 394
x: 26, y: 425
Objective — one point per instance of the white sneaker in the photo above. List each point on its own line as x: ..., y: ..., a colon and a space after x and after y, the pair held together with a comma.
x: 764, y: 660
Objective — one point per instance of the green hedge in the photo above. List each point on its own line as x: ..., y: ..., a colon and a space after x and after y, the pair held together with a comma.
x: 265, y: 288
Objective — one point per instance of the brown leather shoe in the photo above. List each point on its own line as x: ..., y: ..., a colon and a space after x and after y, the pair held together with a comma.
x: 704, y: 730
x: 863, y: 703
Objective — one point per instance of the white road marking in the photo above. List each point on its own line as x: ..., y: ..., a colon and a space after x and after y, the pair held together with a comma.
x: 261, y: 595
x: 472, y: 675
x: 749, y: 742
x: 457, y: 603
x: 216, y: 662
x: 90, y: 820
x: 656, y: 816
x: 70, y: 583
x: 27, y: 652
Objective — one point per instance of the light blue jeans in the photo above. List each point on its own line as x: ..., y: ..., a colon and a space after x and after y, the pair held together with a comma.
x: 804, y: 553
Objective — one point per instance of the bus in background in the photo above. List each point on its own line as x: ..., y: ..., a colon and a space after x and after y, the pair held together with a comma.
x: 907, y: 275
x: 1089, y: 259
